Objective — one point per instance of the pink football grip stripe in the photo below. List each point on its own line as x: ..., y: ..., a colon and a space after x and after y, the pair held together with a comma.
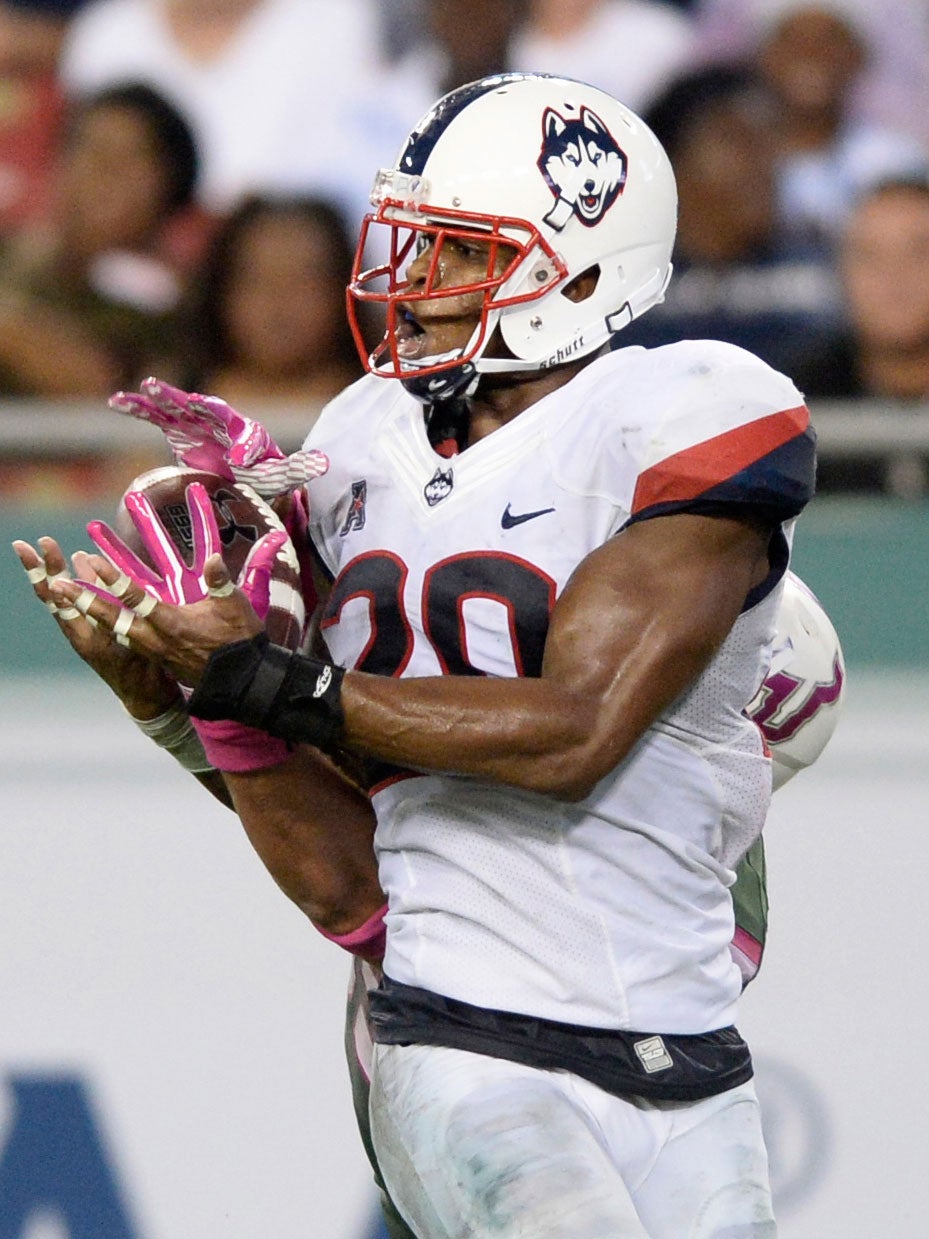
x: 368, y: 940
x: 237, y: 749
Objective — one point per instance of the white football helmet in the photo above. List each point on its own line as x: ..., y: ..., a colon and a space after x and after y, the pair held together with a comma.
x: 798, y: 705
x: 568, y: 178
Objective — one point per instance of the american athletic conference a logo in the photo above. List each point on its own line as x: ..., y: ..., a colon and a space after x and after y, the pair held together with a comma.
x: 583, y: 166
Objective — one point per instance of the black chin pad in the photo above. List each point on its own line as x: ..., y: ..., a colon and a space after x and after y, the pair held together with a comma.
x: 452, y: 384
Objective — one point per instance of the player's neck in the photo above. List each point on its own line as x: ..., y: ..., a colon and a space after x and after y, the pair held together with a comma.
x: 501, y: 397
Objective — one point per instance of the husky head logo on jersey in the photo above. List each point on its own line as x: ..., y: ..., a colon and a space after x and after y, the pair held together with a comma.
x: 583, y: 166
x: 439, y: 486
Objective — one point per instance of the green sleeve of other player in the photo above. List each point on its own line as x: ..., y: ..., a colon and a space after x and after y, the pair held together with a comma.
x: 750, y: 893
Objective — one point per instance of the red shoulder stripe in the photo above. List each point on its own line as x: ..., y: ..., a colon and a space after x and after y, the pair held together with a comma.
x: 697, y: 469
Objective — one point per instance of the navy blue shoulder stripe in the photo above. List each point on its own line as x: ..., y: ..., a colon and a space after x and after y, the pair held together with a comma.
x: 424, y: 137
x: 777, y: 486
x: 782, y: 481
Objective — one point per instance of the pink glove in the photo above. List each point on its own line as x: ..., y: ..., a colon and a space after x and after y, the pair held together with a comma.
x: 229, y: 746
x: 174, y: 580
x: 296, y: 522
x: 204, y: 432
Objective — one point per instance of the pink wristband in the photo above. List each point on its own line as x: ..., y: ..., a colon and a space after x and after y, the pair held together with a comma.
x: 368, y: 940
x: 238, y: 749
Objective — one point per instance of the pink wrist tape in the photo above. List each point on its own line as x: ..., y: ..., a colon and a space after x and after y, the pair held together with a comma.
x: 368, y: 940
x: 238, y: 749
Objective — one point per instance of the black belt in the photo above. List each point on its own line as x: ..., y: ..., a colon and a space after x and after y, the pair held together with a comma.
x: 657, y: 1066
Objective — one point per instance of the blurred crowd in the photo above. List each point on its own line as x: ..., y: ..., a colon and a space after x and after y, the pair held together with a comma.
x: 181, y: 184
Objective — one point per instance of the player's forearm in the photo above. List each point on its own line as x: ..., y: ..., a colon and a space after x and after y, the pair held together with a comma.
x: 545, y: 735
x: 635, y: 626
x: 312, y: 829
x: 527, y: 733
x: 558, y: 734
x: 215, y: 783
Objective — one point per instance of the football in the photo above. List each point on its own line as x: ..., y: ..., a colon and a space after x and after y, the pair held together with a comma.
x: 798, y: 705
x: 242, y: 516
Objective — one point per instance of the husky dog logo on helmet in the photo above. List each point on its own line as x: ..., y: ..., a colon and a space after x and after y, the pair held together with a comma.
x: 583, y: 166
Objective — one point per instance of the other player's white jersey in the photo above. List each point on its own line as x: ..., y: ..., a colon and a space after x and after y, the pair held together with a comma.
x: 613, y: 912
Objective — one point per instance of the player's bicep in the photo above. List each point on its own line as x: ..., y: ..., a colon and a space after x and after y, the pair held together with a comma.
x: 643, y: 614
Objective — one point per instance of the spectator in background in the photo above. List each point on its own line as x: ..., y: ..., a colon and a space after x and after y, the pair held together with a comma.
x: 892, y: 89
x: 448, y: 45
x: 87, y: 302
x: 630, y: 48
x: 738, y: 275
x: 31, y: 106
x: 884, y: 351
x: 397, y: 26
x: 269, y: 306
x: 458, y: 50
x: 449, y: 50
x: 31, y: 33
x: 811, y: 53
x: 267, y: 85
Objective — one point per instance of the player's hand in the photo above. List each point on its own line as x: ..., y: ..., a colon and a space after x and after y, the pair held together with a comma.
x: 173, y: 579
x: 204, y: 432
x: 179, y: 612
x: 141, y: 685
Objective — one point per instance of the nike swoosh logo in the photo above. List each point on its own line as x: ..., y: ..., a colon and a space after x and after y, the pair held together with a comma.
x: 508, y: 520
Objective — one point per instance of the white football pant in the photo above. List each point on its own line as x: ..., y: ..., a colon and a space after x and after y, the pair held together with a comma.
x: 473, y: 1146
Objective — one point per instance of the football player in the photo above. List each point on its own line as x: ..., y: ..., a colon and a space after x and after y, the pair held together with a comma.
x: 796, y: 709
x: 564, y: 791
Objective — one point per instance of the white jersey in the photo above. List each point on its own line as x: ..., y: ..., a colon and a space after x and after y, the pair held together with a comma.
x: 613, y: 912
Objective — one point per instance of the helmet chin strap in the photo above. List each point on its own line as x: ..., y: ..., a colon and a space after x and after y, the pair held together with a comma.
x: 446, y: 398
x: 454, y: 383
x: 447, y: 395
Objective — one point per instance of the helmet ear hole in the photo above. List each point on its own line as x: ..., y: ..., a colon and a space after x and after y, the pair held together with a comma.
x: 583, y: 285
